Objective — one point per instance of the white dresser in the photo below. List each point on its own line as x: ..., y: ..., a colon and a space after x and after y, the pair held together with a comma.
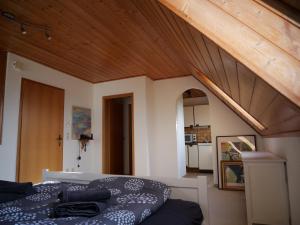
x: 265, y: 188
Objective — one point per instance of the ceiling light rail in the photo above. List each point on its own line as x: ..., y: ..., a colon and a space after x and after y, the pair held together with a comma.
x: 25, y: 25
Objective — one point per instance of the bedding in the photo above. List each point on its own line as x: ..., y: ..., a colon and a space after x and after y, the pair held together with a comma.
x: 132, y: 201
x: 89, y: 194
x: 176, y: 212
x: 10, y: 191
x: 85, y: 209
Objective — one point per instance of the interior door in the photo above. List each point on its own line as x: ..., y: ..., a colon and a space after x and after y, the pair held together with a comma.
x: 41, y: 130
x: 115, y: 137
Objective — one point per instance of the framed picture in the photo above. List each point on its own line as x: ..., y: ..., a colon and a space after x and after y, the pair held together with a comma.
x: 229, y: 148
x: 232, y: 175
x: 81, y: 122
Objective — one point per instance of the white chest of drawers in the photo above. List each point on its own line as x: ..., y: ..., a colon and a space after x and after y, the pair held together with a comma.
x: 265, y: 188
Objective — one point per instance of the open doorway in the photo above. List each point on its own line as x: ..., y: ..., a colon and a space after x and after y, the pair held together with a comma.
x: 118, y: 134
x: 197, y: 132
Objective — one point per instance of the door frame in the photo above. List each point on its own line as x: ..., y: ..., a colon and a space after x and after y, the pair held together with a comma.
x: 105, y: 155
x: 20, y: 124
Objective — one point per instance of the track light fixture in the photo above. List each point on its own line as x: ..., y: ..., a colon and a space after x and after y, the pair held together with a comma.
x: 23, y: 30
x: 25, y: 25
x: 48, y: 35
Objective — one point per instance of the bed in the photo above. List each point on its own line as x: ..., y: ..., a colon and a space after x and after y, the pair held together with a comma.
x: 178, y: 210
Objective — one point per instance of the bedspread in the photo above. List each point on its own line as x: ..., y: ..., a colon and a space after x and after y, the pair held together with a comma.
x: 132, y: 201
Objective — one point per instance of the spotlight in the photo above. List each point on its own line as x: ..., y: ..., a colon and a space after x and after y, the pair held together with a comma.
x: 23, y: 30
x: 48, y: 36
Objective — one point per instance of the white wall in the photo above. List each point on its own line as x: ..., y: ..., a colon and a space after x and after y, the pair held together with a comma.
x: 77, y: 92
x: 138, y: 87
x: 181, y: 157
x: 288, y: 148
x: 163, y: 150
x: 202, y: 115
x: 155, y: 110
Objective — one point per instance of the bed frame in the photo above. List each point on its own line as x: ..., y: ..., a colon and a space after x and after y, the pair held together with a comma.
x: 190, y: 189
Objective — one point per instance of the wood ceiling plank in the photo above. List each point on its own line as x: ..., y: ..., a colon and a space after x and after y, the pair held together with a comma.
x: 246, y: 84
x: 281, y: 10
x: 267, y: 60
x: 290, y: 126
x: 38, y: 55
x: 265, y: 22
x: 92, y: 17
x: 230, y: 66
x: 263, y: 96
x: 159, y: 20
x: 218, y: 64
x: 149, y: 36
x: 198, y: 37
x: 64, y: 48
x: 279, y: 111
x: 180, y: 37
x: 144, y: 44
x: 190, y: 44
x: 91, y: 69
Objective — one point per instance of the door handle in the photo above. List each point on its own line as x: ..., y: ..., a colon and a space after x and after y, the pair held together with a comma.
x: 59, y: 139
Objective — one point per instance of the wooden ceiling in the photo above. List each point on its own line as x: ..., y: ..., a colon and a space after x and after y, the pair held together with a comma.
x: 113, y: 39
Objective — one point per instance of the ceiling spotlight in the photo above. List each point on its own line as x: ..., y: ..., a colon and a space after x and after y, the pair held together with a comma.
x: 48, y: 36
x: 23, y: 30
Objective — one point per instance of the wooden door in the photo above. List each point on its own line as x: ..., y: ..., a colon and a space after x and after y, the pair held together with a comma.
x: 130, y: 139
x: 41, y: 130
x: 116, y: 137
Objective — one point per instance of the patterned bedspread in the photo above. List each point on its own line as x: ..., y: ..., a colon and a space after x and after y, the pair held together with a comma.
x: 132, y: 201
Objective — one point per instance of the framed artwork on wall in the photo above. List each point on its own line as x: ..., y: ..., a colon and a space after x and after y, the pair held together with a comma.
x: 229, y: 148
x: 232, y: 175
x: 81, y: 122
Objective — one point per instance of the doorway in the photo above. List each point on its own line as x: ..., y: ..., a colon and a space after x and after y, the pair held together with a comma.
x: 117, y: 154
x: 197, y: 132
x: 41, y: 130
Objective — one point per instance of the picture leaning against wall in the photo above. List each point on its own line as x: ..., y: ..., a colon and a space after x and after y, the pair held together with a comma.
x: 229, y: 149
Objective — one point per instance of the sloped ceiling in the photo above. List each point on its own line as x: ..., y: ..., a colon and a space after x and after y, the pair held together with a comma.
x: 106, y: 40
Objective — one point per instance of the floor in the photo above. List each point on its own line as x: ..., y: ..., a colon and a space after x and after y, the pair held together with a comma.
x: 225, y: 207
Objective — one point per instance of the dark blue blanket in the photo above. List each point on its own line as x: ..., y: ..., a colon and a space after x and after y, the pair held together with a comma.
x: 132, y: 201
x: 90, y: 194
x: 10, y: 191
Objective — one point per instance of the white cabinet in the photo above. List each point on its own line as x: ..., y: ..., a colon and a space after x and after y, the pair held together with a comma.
x: 205, y: 156
x: 186, y: 155
x: 201, y: 113
x: 188, y: 116
x: 265, y: 188
x: 193, y: 156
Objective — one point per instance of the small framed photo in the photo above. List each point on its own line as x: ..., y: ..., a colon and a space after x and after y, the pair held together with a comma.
x: 81, y: 122
x: 232, y: 175
x: 229, y: 148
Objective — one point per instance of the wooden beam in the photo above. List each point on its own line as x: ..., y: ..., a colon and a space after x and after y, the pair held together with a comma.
x: 265, y: 22
x: 250, y: 120
x: 269, y: 61
x: 282, y: 10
